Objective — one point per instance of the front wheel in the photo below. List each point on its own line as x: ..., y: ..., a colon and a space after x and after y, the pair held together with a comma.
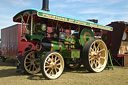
x: 95, y: 55
x: 52, y: 65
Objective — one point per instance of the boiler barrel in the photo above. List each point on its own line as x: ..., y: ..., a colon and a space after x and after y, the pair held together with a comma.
x: 53, y: 46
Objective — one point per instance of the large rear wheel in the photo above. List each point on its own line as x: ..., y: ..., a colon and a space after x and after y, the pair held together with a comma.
x: 31, y: 63
x: 52, y: 65
x: 95, y: 55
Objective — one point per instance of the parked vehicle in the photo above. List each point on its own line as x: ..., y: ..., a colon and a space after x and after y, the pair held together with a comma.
x: 56, y: 47
x: 11, y: 42
x: 1, y: 57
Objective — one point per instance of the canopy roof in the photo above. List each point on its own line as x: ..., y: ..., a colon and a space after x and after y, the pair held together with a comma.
x: 58, y: 17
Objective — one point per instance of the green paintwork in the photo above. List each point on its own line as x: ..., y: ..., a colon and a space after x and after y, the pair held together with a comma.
x: 75, y: 53
x: 88, y: 33
x: 37, y: 37
x: 54, y: 42
x: 56, y: 46
x: 63, y: 48
x: 71, y: 54
x: 66, y: 54
x: 110, y: 58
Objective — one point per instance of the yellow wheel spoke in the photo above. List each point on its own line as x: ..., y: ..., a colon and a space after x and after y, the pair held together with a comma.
x: 51, y: 72
x: 28, y: 65
x: 91, y: 49
x: 55, y: 70
x: 91, y: 54
x: 37, y: 63
x: 101, y: 50
x: 58, y: 64
x: 47, y: 70
x: 49, y: 59
x: 55, y: 59
x: 91, y: 58
x: 33, y: 67
x: 94, y: 46
x: 28, y: 59
x: 102, y: 57
x: 27, y: 62
x: 98, y: 46
x: 47, y: 62
x: 92, y: 62
x: 56, y: 55
x: 95, y: 65
x: 47, y: 66
x: 52, y: 58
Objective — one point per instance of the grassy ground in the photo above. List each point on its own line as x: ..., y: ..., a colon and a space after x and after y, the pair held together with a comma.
x: 8, y: 76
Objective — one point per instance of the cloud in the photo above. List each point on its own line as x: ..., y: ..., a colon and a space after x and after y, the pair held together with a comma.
x: 105, y: 16
x: 5, y: 21
x: 124, y: 18
x: 102, y: 11
x: 96, y: 1
x: 107, y: 20
x: 126, y: 6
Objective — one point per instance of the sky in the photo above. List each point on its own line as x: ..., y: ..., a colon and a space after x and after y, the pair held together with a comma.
x: 106, y: 11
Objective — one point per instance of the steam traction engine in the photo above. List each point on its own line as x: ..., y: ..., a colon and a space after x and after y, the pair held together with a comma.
x: 57, y: 47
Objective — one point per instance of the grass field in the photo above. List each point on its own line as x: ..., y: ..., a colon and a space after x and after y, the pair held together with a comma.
x: 118, y: 76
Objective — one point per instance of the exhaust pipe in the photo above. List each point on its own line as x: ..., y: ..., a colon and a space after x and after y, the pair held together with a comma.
x: 45, y: 4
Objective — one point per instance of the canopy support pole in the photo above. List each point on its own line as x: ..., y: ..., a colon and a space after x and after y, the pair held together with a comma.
x: 22, y: 26
x: 31, y: 25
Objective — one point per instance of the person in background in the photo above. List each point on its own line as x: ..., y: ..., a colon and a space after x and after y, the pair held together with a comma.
x: 18, y: 62
x: 27, y: 49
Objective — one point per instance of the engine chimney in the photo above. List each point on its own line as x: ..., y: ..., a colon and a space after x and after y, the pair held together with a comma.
x: 93, y: 20
x: 45, y: 5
